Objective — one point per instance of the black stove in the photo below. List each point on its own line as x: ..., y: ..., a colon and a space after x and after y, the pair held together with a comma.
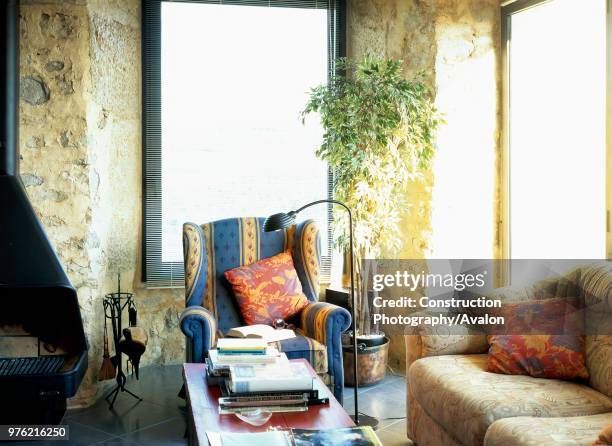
x: 43, y: 351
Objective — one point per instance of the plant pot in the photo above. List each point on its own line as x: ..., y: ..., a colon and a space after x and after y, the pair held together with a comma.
x: 371, y: 361
x: 373, y: 340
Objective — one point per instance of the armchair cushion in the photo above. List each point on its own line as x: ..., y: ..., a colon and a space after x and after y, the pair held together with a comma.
x: 307, y: 348
x: 267, y: 290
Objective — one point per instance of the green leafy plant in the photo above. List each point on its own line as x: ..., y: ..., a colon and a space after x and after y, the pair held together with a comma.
x: 379, y: 134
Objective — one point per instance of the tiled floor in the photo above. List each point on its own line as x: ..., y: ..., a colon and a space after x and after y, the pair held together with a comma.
x: 387, y: 402
x: 160, y: 418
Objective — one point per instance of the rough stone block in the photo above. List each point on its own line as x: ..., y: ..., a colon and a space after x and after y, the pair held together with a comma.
x: 58, y: 25
x: 54, y: 65
x: 33, y: 90
x: 29, y: 180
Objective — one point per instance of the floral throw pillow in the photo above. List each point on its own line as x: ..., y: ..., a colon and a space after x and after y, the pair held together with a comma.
x: 267, y: 290
x: 541, y: 339
x: 605, y: 437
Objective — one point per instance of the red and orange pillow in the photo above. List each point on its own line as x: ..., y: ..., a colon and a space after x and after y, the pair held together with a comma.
x: 541, y: 339
x: 267, y: 290
x: 605, y: 437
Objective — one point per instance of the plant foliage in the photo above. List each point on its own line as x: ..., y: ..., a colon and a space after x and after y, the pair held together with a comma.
x: 379, y: 134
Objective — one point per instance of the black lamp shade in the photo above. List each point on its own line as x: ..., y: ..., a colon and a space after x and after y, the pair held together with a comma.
x: 279, y: 221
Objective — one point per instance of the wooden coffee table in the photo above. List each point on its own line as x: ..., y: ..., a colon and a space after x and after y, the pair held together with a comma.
x: 203, y: 405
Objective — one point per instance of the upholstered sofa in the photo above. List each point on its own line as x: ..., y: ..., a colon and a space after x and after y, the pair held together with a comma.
x: 453, y: 400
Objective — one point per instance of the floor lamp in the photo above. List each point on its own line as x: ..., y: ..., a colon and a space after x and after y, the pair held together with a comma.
x: 285, y: 220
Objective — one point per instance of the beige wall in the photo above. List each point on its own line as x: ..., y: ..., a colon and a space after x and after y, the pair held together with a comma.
x: 81, y: 161
x: 456, y: 44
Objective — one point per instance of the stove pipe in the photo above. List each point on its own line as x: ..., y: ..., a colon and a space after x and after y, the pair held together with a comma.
x: 9, y: 89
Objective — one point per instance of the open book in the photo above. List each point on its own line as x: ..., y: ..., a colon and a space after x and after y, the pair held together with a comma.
x: 260, y: 331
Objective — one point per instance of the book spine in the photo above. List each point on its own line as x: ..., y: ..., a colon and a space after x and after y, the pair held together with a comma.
x: 242, y: 352
x: 223, y: 410
x: 226, y: 391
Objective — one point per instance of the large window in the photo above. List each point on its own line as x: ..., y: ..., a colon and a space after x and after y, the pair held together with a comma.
x: 224, y: 86
x: 556, y: 128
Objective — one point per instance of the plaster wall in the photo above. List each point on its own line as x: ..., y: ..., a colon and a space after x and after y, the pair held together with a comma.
x: 455, y: 44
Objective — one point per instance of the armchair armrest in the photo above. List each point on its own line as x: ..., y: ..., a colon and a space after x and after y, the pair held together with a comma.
x: 325, y: 323
x: 200, y: 327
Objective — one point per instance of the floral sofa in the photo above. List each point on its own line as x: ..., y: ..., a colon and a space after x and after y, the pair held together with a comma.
x: 452, y: 400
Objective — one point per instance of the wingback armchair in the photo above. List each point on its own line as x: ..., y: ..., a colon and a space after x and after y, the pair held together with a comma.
x: 210, y: 307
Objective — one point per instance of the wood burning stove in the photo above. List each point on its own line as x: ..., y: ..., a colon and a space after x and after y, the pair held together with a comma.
x: 43, y: 352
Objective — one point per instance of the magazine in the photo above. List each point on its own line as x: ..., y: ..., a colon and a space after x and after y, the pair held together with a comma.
x: 350, y: 436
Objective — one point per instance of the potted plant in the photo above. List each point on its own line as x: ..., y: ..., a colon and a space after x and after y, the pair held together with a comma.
x: 379, y: 134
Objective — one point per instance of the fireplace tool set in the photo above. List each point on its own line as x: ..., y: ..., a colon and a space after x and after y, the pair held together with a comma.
x: 131, y: 341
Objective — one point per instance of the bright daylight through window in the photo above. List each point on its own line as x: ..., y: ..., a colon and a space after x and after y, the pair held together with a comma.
x: 233, y: 143
x: 557, y: 122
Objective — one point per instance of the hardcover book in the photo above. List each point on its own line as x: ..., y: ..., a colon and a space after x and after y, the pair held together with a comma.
x: 241, y: 346
x: 270, y: 377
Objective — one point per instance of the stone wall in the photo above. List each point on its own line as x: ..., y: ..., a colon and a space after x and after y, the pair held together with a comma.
x: 81, y: 161
x: 456, y: 45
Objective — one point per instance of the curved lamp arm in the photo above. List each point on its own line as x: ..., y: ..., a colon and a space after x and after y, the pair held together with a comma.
x: 280, y: 221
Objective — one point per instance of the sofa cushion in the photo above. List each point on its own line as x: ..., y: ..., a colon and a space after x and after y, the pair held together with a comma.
x: 604, y: 437
x: 465, y: 399
x: 529, y: 431
x: 540, y: 338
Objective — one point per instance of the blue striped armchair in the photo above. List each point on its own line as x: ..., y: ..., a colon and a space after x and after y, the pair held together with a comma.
x: 211, y: 309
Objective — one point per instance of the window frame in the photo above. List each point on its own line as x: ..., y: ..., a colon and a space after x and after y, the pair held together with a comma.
x: 509, y: 8
x: 155, y: 272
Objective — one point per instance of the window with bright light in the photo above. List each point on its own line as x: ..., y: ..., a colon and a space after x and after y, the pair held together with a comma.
x: 557, y: 119
x: 233, y: 79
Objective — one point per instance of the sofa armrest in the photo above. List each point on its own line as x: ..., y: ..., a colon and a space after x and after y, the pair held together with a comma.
x: 200, y: 327
x: 422, y: 341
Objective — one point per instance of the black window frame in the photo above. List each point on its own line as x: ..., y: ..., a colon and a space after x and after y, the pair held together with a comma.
x: 155, y: 272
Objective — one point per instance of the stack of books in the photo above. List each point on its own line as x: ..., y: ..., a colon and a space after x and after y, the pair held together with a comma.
x: 282, y: 386
x: 252, y: 377
x: 218, y: 364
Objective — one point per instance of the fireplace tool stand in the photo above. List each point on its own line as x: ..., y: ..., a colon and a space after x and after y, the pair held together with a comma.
x: 114, y: 304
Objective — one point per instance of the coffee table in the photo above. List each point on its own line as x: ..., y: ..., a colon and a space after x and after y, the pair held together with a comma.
x: 203, y: 406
